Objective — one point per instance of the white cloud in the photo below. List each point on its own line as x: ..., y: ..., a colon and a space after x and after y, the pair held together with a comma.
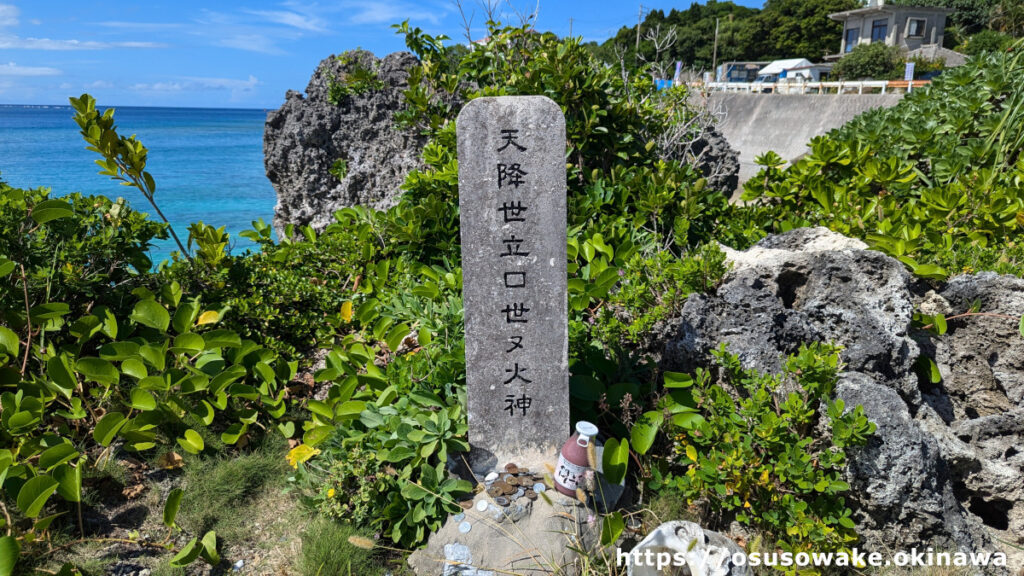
x: 199, y: 84
x: 380, y: 12
x: 140, y: 26
x: 18, y: 43
x: 305, y: 22
x: 8, y: 15
x: 250, y: 43
x: 12, y: 69
x: 98, y: 85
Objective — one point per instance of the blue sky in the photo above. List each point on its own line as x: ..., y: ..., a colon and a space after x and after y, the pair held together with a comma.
x: 233, y: 54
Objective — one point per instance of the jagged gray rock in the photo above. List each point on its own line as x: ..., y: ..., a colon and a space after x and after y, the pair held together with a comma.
x: 305, y: 137
x: 717, y: 161
x: 945, y: 466
x: 901, y: 491
x: 809, y: 285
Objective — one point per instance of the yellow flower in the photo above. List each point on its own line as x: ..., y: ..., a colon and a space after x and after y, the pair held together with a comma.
x: 330, y: 493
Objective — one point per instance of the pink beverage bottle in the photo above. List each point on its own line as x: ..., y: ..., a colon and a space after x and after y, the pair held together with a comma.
x: 572, y: 461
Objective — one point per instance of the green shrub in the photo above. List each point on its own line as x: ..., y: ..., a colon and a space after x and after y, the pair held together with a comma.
x: 339, y: 169
x: 748, y: 450
x: 875, y: 61
x: 986, y: 41
x: 359, y: 78
x: 934, y: 181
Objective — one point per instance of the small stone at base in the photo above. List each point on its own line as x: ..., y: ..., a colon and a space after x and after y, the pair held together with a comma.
x: 491, y: 477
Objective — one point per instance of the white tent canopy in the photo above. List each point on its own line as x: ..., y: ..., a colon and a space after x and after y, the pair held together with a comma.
x: 779, y: 66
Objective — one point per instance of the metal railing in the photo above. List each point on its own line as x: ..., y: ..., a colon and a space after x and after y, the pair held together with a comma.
x: 838, y: 87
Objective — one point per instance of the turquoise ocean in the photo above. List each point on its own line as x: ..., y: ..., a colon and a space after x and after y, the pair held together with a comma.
x: 207, y: 163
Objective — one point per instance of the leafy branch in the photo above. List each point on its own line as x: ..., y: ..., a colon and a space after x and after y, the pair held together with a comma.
x: 124, y: 158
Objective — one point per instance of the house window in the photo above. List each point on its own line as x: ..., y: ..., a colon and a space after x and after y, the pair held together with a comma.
x: 852, y: 36
x: 879, y: 30
x: 916, y: 27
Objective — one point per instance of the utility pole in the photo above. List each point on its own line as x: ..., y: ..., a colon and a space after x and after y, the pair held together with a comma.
x: 714, y: 54
x: 570, y: 26
x: 639, y: 15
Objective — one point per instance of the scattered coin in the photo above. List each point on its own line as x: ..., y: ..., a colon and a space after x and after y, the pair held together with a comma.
x: 511, y: 468
x: 531, y: 494
x: 509, y: 489
x: 491, y: 477
x: 495, y: 491
x: 524, y: 472
x: 501, y: 501
x: 520, y: 493
x: 465, y: 527
x: 481, y: 506
x: 539, y: 487
x: 460, y: 517
x: 512, y: 481
x: 466, y: 504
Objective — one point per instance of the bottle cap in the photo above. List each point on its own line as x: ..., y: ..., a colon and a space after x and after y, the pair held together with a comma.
x: 586, y: 429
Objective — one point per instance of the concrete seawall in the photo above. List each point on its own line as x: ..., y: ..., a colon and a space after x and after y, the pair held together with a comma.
x: 756, y: 123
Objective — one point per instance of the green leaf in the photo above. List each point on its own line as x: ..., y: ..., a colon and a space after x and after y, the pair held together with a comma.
x: 222, y: 339
x: 57, y: 455
x: 98, y: 370
x: 151, y: 313
x: 677, y: 380
x: 50, y: 311
x: 645, y: 430
x: 687, y: 420
x: 49, y: 210
x: 187, y: 555
x: 108, y: 427
x: 234, y: 433
x: 940, y: 324
x: 396, y: 336
x: 209, y: 552
x: 171, y: 293
x: 10, y: 344
x: 135, y: 368
x: 192, y: 442
x: 611, y: 528
x: 43, y: 524
x: 142, y: 400
x: 188, y: 343
x: 10, y: 550
x: 69, y: 479
x: 1020, y: 327
x: 171, y: 507
x: 118, y: 351
x: 6, y: 267
x: 34, y: 494
x: 615, y: 460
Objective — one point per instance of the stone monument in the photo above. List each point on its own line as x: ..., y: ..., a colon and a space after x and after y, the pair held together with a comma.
x: 512, y: 199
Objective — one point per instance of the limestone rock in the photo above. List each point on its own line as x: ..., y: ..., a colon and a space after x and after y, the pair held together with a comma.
x: 901, y: 492
x: 717, y: 161
x: 304, y: 139
x: 981, y: 358
x: 808, y: 285
x: 945, y: 466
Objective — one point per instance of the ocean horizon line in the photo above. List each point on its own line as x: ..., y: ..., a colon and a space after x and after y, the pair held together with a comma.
x: 68, y: 106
